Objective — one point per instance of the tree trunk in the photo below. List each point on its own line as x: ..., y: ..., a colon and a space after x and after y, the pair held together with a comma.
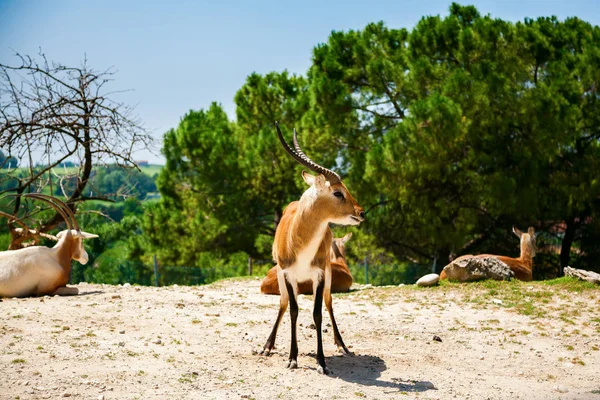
x: 565, y: 251
x: 443, y: 259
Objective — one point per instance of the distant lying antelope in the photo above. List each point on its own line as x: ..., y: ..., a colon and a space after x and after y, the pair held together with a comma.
x: 522, y: 266
x: 302, y: 248
x: 40, y: 270
x: 341, y: 278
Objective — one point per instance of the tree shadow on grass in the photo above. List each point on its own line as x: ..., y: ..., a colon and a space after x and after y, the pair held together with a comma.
x: 366, y: 370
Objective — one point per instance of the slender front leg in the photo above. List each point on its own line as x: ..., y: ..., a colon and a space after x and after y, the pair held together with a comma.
x: 293, y: 360
x: 318, y: 317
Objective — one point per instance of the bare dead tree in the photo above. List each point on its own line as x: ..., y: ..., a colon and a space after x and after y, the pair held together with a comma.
x: 50, y: 113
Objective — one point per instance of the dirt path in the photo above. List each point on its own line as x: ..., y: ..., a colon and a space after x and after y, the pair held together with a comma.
x: 124, y: 342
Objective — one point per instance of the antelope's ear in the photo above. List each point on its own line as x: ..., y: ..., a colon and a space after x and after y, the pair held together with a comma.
x: 531, y: 231
x: 346, y: 237
x: 308, y: 178
x: 517, y: 231
x: 319, y: 181
x: 85, y: 235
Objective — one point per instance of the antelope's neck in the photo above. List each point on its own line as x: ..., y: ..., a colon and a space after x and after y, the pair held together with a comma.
x: 308, y: 231
x: 64, y: 250
x: 526, y: 254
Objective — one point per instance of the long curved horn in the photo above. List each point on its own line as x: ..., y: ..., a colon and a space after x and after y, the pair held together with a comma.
x: 59, y: 205
x: 303, y: 159
x: 47, y: 199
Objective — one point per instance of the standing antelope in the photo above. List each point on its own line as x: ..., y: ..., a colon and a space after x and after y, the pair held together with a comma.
x: 341, y: 278
x: 522, y: 266
x: 302, y: 248
x: 39, y: 270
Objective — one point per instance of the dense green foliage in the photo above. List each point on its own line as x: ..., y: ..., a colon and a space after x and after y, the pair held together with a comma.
x: 447, y: 134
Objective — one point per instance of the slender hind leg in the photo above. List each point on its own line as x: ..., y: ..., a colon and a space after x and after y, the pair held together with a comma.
x: 329, y: 304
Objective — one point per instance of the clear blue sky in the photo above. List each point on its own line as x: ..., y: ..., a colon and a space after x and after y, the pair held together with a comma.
x: 182, y: 55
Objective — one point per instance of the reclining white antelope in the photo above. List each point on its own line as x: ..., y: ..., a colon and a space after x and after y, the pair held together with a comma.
x: 40, y: 270
x: 302, y: 248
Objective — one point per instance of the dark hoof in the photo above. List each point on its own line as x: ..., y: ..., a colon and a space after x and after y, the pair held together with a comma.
x: 264, y: 352
x: 292, y: 364
x: 323, y: 370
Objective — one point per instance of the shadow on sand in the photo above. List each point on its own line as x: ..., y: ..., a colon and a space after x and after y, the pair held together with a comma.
x: 366, y: 370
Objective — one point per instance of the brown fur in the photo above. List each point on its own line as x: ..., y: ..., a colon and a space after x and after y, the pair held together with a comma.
x: 304, y: 228
x: 341, y: 278
x: 521, y: 266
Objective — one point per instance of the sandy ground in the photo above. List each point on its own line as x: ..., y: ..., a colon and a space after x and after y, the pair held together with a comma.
x: 127, y: 342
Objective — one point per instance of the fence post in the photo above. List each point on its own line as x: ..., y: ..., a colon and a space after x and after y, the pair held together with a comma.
x: 249, y: 265
x: 366, y: 271
x: 155, y: 271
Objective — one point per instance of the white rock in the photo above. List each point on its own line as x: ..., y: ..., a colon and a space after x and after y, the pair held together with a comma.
x: 428, y: 280
x: 562, y: 389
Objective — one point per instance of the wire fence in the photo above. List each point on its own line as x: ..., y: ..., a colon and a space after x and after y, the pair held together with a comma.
x: 124, y: 271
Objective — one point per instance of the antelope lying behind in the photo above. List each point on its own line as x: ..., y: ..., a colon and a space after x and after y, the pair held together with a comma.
x: 522, y: 266
x: 302, y: 248
x: 39, y: 270
x: 341, y: 278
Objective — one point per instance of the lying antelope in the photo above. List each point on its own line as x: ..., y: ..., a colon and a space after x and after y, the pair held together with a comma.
x: 302, y: 248
x: 522, y: 266
x: 341, y: 278
x: 39, y: 270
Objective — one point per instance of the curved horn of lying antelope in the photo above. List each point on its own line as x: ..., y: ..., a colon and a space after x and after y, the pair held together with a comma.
x: 298, y: 155
x: 59, y: 205
x: 51, y: 201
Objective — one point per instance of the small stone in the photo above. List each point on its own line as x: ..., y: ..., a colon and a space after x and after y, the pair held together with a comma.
x: 428, y: 280
x: 157, y: 341
x: 127, y: 284
x: 437, y: 338
x: 497, y: 301
x: 66, y: 394
x: 101, y: 397
x: 481, y: 357
x: 122, y: 331
x: 562, y: 389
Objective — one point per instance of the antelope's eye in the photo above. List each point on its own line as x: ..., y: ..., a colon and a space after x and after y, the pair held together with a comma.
x: 338, y: 194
